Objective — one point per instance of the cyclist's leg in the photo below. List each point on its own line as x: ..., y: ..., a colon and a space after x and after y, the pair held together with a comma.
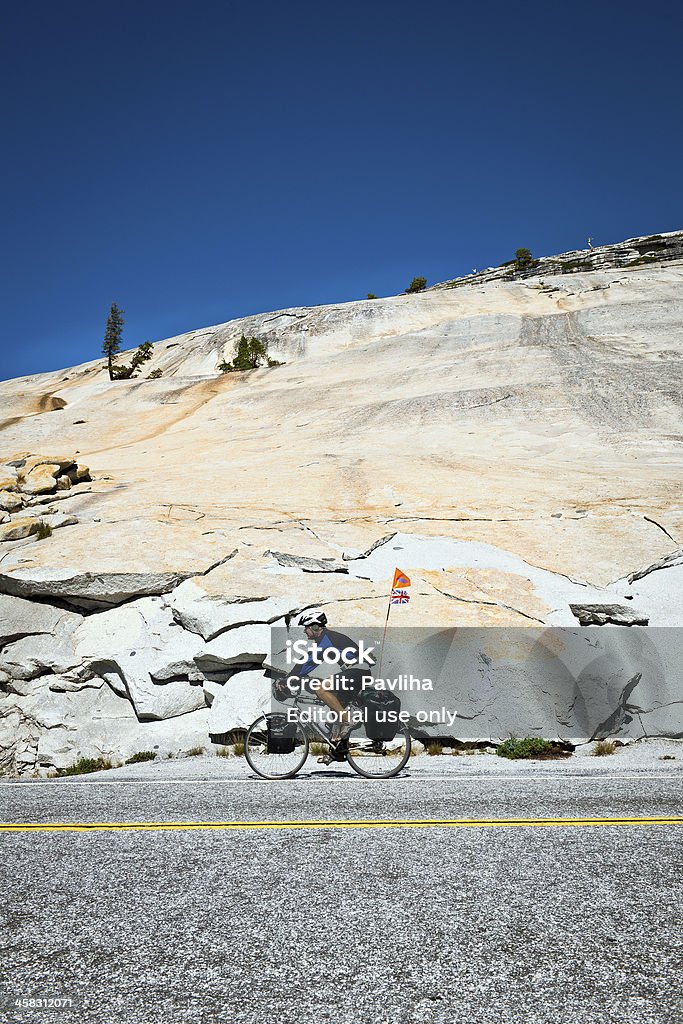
x: 337, y: 692
x: 331, y: 700
x: 352, y: 686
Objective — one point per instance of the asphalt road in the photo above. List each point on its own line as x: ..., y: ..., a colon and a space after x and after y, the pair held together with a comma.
x: 477, y: 924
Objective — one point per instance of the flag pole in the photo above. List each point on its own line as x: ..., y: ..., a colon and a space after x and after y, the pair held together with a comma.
x: 386, y: 623
x: 400, y: 580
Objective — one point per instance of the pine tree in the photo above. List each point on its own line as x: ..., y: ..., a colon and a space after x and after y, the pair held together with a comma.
x: 250, y: 353
x: 244, y: 357
x: 418, y: 284
x: 112, y: 336
x: 143, y: 353
x: 523, y: 259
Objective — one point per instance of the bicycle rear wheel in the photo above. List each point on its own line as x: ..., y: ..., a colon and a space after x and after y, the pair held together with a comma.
x: 377, y: 759
x: 269, y: 764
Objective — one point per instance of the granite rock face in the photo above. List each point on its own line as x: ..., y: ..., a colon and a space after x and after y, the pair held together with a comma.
x: 575, y: 684
x: 511, y: 440
x: 646, y: 250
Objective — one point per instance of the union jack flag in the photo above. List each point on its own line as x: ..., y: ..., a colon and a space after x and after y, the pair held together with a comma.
x: 400, y: 597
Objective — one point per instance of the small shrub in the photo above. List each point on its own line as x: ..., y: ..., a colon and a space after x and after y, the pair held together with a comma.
x: 141, y: 355
x: 85, y: 765
x: 418, y: 284
x: 576, y: 265
x: 238, y: 748
x: 371, y: 296
x: 195, y: 752
x: 641, y: 260
x: 530, y: 746
x: 43, y: 530
x: 317, y: 749
x: 142, y: 755
x: 604, y: 747
x: 434, y: 748
x: 155, y: 374
x: 224, y: 752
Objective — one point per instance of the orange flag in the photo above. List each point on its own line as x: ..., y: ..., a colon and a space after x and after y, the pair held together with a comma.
x: 400, y: 580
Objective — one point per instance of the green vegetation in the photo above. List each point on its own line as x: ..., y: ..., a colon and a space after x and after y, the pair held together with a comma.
x: 418, y: 284
x: 43, y: 530
x: 576, y: 265
x: 142, y: 755
x: 250, y: 354
x: 238, y: 748
x: 434, y: 748
x: 603, y: 748
x: 530, y: 746
x: 641, y: 260
x: 84, y: 766
x: 194, y: 752
x: 224, y: 752
x: 112, y: 336
x: 155, y: 374
x: 523, y: 259
x: 371, y: 296
x: 140, y: 356
x: 317, y: 749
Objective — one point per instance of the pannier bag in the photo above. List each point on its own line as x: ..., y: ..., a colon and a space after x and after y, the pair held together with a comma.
x: 381, y: 714
x: 281, y: 735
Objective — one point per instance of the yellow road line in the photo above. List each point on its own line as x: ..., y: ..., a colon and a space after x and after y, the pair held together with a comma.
x: 164, y: 826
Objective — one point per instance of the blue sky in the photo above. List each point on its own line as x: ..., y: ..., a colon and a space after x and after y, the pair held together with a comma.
x: 200, y: 161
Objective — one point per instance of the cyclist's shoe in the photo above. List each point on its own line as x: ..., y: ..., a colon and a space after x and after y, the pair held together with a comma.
x: 340, y: 750
x: 339, y: 734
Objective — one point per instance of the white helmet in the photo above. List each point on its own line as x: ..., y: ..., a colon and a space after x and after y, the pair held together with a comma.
x: 313, y: 619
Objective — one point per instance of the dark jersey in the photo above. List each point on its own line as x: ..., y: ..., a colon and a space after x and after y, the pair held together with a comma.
x: 337, y: 642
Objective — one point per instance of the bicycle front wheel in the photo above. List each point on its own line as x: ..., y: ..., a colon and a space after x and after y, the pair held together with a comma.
x: 377, y: 759
x: 265, y: 758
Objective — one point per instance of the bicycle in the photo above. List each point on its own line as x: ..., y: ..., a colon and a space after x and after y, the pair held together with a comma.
x: 276, y: 748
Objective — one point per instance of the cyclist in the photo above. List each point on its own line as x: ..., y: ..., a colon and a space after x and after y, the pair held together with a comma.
x: 341, y: 688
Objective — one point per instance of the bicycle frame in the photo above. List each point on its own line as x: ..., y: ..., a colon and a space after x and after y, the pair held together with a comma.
x: 309, y: 726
